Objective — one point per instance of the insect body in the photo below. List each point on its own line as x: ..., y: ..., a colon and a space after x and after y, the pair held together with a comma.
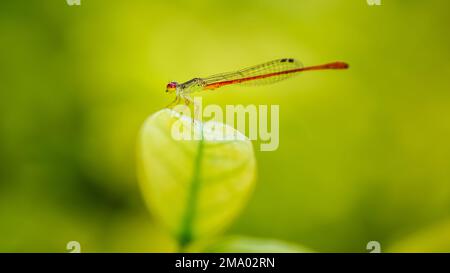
x: 265, y: 73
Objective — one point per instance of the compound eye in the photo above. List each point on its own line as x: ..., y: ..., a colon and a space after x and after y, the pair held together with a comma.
x: 171, y: 85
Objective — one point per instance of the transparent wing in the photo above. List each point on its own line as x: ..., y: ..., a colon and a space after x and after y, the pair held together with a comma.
x: 265, y: 73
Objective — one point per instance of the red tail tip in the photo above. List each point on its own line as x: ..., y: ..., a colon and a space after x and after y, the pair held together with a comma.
x: 338, y: 65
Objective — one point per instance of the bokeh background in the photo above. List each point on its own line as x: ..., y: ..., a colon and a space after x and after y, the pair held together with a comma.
x: 364, y: 154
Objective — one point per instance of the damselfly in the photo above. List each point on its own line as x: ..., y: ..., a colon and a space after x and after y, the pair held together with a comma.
x: 266, y: 73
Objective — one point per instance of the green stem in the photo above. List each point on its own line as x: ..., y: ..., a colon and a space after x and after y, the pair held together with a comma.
x: 186, y: 234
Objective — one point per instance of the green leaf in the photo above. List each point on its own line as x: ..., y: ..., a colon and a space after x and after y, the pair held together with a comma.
x: 240, y: 244
x: 195, y: 188
x: 435, y: 238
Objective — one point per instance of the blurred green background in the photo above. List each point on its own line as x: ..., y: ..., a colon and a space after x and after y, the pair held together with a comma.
x: 364, y: 154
